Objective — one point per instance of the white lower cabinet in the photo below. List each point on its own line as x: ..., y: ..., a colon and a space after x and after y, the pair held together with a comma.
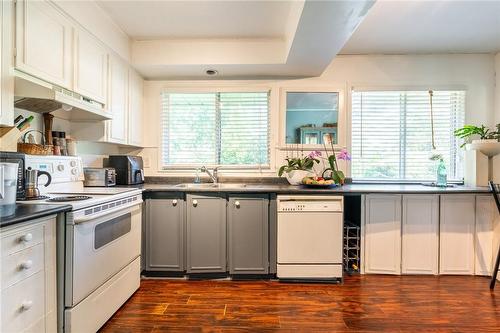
x: 486, y: 244
x: 28, y: 277
x: 420, y: 241
x: 457, y: 224
x: 382, y: 234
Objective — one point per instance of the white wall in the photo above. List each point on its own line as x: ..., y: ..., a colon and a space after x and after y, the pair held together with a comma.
x: 497, y: 89
x: 475, y: 73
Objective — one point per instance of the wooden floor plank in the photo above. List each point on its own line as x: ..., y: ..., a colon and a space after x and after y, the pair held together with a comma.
x: 361, y: 304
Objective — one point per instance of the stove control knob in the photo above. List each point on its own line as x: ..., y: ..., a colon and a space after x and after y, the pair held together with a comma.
x: 72, y: 163
x: 60, y: 167
x: 74, y: 171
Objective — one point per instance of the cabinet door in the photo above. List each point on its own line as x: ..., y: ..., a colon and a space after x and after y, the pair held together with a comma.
x: 6, y: 77
x: 456, y: 245
x: 248, y: 227
x: 135, y: 109
x: 43, y: 42
x: 91, y: 66
x: 206, y: 233
x: 165, y: 234
x: 118, y: 91
x: 485, y: 244
x: 420, y: 234
x: 383, y: 234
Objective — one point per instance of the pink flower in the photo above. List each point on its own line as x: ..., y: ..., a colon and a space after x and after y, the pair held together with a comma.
x: 314, y: 154
x: 343, y: 155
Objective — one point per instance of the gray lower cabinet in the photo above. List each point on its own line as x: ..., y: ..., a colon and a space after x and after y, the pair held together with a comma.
x: 248, y: 234
x: 165, y: 230
x: 206, y: 233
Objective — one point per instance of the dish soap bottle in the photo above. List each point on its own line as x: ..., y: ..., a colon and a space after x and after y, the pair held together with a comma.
x: 441, y: 174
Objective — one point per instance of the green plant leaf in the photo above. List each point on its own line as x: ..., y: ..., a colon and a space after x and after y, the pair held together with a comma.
x: 281, y: 170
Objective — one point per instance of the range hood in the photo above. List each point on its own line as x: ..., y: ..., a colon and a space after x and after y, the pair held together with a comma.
x: 33, y: 94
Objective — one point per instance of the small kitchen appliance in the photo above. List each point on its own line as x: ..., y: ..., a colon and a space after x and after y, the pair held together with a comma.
x: 19, y: 159
x: 99, y: 177
x: 8, y: 181
x: 32, y: 190
x: 129, y: 169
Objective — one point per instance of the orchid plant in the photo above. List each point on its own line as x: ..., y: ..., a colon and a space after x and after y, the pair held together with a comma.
x: 299, y: 163
x: 335, y: 173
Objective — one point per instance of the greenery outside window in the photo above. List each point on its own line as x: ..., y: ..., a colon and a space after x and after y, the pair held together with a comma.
x: 391, y: 135
x: 215, y: 129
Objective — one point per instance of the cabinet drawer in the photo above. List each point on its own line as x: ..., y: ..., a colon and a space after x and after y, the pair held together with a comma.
x: 22, y: 239
x: 22, y: 264
x: 23, y: 304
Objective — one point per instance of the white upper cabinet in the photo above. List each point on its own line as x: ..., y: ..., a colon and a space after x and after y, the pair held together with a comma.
x: 457, y: 221
x: 118, y: 101
x: 91, y: 66
x: 382, y: 234
x: 420, y: 241
x: 135, y: 109
x: 6, y: 78
x: 43, y: 42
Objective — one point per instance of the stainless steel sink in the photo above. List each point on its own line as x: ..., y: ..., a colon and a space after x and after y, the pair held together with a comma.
x: 211, y: 185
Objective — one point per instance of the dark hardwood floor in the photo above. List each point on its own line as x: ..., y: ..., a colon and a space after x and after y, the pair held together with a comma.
x: 362, y: 304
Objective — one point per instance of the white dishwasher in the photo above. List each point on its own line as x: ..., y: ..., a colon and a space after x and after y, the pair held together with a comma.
x: 310, y: 237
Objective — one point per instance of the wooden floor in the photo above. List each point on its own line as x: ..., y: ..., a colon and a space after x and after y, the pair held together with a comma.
x: 362, y: 304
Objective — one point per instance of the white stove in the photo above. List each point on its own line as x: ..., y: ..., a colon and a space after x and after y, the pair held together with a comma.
x: 67, y: 181
x: 99, y: 244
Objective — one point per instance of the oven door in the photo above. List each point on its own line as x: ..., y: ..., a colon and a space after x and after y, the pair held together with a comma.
x: 98, y: 248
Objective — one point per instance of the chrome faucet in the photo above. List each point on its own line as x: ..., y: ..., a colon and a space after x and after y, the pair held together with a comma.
x: 213, y: 175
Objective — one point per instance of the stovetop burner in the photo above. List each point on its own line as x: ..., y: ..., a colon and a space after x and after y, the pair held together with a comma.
x: 40, y: 197
x: 70, y: 198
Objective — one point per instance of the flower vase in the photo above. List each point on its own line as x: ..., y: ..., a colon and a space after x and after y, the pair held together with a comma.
x: 295, y: 177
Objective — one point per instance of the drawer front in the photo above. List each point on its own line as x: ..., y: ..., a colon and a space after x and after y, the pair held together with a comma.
x: 23, y: 304
x: 20, y: 265
x: 22, y: 239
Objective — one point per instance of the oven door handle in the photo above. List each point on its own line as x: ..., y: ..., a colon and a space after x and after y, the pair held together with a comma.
x: 104, y: 213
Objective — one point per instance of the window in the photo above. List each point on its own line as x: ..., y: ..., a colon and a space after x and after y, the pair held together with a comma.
x: 391, y: 134
x: 223, y: 128
x: 312, y: 117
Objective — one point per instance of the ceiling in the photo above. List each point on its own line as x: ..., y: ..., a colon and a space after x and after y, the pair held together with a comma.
x: 199, y: 19
x: 241, y: 39
x: 413, y: 27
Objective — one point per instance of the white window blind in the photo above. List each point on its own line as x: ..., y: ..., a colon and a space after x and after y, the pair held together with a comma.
x: 391, y: 134
x: 223, y: 128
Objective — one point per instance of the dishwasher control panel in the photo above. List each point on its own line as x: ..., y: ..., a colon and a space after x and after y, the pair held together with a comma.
x: 291, y: 205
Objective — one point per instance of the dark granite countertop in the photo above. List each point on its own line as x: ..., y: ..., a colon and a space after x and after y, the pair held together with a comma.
x: 289, y: 189
x: 25, y: 213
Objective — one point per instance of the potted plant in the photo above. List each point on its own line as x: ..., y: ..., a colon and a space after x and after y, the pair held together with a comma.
x: 335, y: 173
x: 485, y: 134
x: 296, y: 168
x: 489, y: 140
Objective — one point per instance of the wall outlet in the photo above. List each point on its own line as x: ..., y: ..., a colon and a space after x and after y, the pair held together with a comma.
x: 146, y: 161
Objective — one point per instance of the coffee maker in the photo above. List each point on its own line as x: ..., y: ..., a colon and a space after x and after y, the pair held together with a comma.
x: 129, y: 169
x: 32, y: 190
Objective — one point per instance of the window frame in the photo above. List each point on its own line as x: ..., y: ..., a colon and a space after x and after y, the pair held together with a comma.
x: 189, y: 169
x: 341, y: 118
x: 352, y: 86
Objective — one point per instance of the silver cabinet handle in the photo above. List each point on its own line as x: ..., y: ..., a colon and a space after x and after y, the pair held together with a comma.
x: 174, y: 202
x: 26, y: 238
x: 26, y: 305
x: 237, y: 204
x: 26, y: 264
x: 195, y: 203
